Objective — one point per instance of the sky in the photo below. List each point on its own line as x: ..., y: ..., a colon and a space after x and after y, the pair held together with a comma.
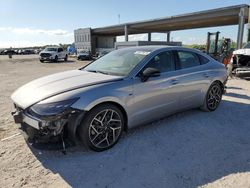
x: 31, y: 23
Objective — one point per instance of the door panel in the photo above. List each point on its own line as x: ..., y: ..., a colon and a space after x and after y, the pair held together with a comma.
x: 158, y: 96
x: 155, y: 98
x: 194, y: 78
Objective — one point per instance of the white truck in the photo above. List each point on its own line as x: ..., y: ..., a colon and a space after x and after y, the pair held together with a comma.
x: 240, y: 62
x: 53, y: 54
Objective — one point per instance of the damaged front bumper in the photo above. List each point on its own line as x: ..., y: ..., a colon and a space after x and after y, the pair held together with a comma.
x: 47, y: 128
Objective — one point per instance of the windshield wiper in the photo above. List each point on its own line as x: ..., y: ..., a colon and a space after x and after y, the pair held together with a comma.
x: 102, y: 72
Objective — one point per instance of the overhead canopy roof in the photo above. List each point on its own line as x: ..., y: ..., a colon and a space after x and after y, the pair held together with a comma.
x: 210, y: 18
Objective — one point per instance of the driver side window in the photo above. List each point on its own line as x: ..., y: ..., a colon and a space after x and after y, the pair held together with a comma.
x: 164, y: 62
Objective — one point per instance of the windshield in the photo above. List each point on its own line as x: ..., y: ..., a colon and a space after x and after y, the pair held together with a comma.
x: 51, y: 49
x: 119, y: 62
x: 247, y: 45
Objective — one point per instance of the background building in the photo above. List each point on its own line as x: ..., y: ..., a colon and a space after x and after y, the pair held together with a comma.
x: 104, y: 38
x: 83, y: 39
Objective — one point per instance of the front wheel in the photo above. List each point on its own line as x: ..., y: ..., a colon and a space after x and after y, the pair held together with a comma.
x: 56, y: 59
x: 66, y: 58
x: 102, y: 127
x: 213, y: 97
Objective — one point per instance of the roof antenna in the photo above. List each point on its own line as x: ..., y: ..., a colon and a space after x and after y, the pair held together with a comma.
x: 119, y: 18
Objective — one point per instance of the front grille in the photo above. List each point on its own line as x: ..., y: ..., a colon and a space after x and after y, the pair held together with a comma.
x: 45, y: 54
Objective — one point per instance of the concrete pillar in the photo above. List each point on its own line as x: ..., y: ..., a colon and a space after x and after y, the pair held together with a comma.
x: 168, y: 36
x: 149, y: 36
x: 248, y: 26
x: 241, y: 28
x: 126, y: 33
x: 248, y: 32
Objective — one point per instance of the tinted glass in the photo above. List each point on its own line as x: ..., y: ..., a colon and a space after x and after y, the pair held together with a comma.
x: 188, y: 59
x: 50, y: 49
x: 164, y: 62
x: 203, y: 59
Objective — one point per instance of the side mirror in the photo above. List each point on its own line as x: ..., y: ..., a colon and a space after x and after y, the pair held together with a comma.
x: 149, y: 72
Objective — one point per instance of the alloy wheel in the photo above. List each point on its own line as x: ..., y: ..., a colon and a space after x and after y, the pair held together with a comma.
x: 214, y: 97
x: 105, y: 128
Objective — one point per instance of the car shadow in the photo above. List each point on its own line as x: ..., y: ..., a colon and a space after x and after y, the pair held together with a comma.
x: 237, y: 88
x: 238, y: 95
x: 59, y: 61
x: 188, y: 149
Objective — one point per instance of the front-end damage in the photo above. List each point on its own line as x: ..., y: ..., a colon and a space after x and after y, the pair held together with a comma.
x: 49, y: 128
x: 240, y: 62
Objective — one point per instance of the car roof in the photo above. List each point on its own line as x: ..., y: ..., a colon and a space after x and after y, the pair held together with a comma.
x: 149, y: 48
x: 153, y: 48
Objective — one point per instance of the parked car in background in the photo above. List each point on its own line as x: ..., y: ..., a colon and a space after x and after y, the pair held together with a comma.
x: 84, y: 55
x: 28, y: 52
x: 118, y: 91
x: 102, y: 53
x: 25, y: 51
x: 53, y: 54
x: 37, y: 51
x: 20, y: 52
x: 240, y: 62
x: 8, y: 52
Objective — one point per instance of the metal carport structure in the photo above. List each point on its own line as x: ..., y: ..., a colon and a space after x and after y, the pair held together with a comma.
x: 233, y: 15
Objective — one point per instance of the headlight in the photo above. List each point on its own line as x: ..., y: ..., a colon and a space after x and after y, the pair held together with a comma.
x: 50, y: 109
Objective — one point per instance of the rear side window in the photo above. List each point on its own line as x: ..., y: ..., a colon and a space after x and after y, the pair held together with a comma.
x: 203, y: 59
x: 188, y: 59
x: 164, y: 62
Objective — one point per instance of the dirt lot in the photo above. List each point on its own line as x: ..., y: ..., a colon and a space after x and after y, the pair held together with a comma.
x: 189, y: 149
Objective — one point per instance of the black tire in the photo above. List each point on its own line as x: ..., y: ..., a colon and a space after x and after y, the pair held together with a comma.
x: 102, y: 127
x: 56, y: 59
x: 66, y: 58
x: 41, y: 61
x: 213, y: 97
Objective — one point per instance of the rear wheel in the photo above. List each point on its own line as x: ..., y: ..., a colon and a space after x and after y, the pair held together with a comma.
x: 102, y: 127
x: 213, y: 97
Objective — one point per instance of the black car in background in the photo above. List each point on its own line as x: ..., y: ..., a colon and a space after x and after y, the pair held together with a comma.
x: 84, y: 55
x: 7, y: 52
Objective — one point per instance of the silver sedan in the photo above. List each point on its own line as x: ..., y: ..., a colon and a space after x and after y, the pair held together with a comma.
x: 123, y: 89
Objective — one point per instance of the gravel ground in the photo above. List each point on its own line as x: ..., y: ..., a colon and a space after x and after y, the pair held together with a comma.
x: 189, y: 149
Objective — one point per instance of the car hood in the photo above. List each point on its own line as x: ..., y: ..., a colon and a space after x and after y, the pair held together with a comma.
x: 242, y: 52
x: 54, y: 84
x: 48, y: 52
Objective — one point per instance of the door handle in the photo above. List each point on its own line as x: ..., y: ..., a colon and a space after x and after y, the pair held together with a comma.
x: 174, y: 82
x: 206, y: 75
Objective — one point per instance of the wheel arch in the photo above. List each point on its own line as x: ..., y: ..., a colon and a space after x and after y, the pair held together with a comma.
x: 204, y: 105
x: 74, y: 124
x: 220, y: 83
x: 119, y: 106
